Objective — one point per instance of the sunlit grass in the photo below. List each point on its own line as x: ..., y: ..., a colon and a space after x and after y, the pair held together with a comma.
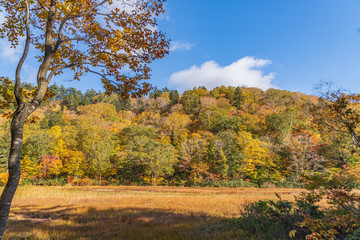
x: 129, y: 212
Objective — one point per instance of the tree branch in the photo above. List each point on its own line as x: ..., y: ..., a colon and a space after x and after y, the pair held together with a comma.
x: 51, y: 74
x: 69, y: 16
x: 23, y: 57
x: 48, y: 56
x: 41, y: 5
x: 49, y: 28
x: 62, y: 24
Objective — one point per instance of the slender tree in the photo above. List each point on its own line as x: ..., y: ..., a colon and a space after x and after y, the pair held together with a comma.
x: 101, y: 37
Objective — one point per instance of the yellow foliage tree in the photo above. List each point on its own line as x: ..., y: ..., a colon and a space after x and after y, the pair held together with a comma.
x: 31, y: 169
x: 74, y: 163
x: 257, y: 165
x: 58, y: 147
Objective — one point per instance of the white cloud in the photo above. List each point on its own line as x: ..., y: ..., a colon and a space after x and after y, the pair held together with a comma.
x: 244, y: 72
x: 180, y: 46
x: 10, y: 54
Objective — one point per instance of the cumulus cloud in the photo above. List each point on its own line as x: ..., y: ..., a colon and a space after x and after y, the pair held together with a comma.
x: 180, y: 46
x: 244, y: 72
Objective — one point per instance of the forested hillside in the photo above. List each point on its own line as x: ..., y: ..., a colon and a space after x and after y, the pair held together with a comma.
x: 226, y: 136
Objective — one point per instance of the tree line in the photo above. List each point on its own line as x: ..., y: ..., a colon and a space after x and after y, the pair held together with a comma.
x: 226, y: 136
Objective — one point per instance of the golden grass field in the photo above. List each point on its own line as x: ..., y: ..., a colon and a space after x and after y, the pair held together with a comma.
x: 131, y: 212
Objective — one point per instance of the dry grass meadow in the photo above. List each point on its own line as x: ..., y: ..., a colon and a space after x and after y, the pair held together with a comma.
x: 131, y: 212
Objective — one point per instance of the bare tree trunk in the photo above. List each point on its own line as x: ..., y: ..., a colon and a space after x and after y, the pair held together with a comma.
x: 8, y: 193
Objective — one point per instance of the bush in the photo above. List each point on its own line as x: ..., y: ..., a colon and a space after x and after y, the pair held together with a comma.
x: 289, y: 182
x: 235, y: 183
x: 82, y: 182
x: 114, y: 182
x: 51, y: 182
x: 303, y: 219
x: 276, y: 219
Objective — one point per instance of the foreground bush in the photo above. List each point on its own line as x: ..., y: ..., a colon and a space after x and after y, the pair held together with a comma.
x: 303, y: 218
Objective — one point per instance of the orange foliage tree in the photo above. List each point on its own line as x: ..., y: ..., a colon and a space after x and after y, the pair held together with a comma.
x: 85, y: 36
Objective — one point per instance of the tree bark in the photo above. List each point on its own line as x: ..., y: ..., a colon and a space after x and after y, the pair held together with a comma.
x: 8, y: 193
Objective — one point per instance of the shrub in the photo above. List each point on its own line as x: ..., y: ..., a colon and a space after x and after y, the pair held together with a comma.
x: 235, y: 183
x: 276, y: 219
x: 289, y: 182
x: 303, y: 219
x: 83, y: 182
x: 50, y: 182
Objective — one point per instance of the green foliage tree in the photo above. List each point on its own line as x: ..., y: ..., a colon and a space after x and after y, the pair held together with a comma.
x: 155, y: 93
x: 52, y: 118
x: 225, y: 154
x: 155, y: 158
x: 238, y: 98
x: 228, y: 123
x: 88, y: 97
x: 55, y: 89
x: 281, y: 124
x: 142, y: 150
x: 97, y: 150
x: 71, y: 98
x: 174, y: 97
x: 191, y: 102
x: 37, y: 145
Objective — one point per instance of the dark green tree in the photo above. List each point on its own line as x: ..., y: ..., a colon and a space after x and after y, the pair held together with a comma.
x: 174, y: 97
x: 88, y: 96
x: 55, y: 89
x: 71, y: 98
x: 238, y: 98
x: 191, y: 102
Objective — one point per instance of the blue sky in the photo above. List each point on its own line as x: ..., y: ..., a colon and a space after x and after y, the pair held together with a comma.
x: 285, y: 44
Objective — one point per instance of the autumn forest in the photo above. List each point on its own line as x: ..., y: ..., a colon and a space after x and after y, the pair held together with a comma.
x: 226, y: 136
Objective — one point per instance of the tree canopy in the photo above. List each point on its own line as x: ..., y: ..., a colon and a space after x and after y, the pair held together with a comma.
x: 100, y: 37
